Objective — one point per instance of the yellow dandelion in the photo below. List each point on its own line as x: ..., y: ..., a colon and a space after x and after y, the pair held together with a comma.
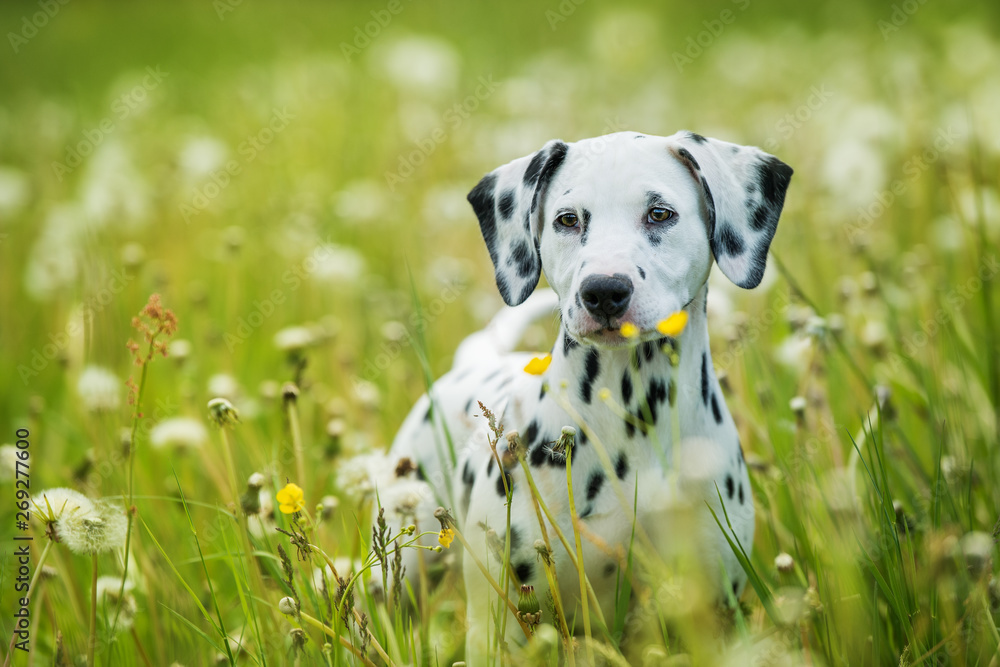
x: 604, y: 394
x: 290, y: 499
x: 629, y: 330
x: 446, y: 537
x: 538, y: 365
x: 673, y: 325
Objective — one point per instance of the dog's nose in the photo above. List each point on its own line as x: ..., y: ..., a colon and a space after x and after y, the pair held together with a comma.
x: 606, y: 297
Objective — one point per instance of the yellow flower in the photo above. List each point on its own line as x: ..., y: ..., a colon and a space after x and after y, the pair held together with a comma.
x: 538, y: 365
x: 446, y: 537
x: 290, y: 499
x: 629, y: 330
x: 604, y: 394
x: 673, y: 325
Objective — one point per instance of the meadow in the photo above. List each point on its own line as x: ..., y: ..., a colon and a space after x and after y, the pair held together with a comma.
x: 290, y: 181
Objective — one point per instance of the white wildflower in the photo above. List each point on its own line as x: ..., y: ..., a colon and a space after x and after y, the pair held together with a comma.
x: 337, y: 264
x: 102, y: 528
x: 293, y: 339
x: 224, y: 385
x: 178, y: 433
x: 784, y: 563
x: 13, y: 191
x: 201, y: 155
x: 421, y: 64
x: 108, y: 589
x: 52, y: 504
x: 99, y: 389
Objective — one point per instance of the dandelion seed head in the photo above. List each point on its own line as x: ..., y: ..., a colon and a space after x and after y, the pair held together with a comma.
x: 99, y: 389
x: 99, y: 530
x: 52, y: 504
x: 178, y: 433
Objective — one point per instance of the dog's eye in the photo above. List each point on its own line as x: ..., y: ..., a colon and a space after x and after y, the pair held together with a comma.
x: 660, y: 214
x: 568, y: 220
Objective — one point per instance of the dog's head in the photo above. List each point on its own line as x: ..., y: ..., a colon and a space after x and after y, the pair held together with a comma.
x: 625, y: 226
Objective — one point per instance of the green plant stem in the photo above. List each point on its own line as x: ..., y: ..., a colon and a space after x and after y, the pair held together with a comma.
x: 562, y: 538
x: 92, y: 638
x: 131, y: 473
x: 291, y: 406
x: 579, y: 555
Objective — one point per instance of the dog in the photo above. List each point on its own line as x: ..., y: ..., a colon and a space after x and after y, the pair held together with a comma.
x: 625, y: 228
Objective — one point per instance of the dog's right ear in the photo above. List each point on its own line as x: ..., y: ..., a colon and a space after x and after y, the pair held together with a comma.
x: 507, y: 202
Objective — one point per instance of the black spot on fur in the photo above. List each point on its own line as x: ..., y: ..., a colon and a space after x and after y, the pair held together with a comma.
x: 741, y: 493
x: 468, y: 477
x: 524, y: 571
x: 489, y: 466
x: 594, y: 484
x: 468, y: 406
x: 524, y: 258
x: 556, y: 156
x: 716, y: 412
x: 581, y: 436
x: 501, y: 489
x: 541, y: 393
x: 728, y: 242
x: 586, y: 227
x: 642, y: 273
x: 534, y: 168
x: 730, y: 486
x: 704, y: 378
x: 515, y: 539
x: 697, y: 137
x: 421, y: 475
x: 568, y: 344
x: 773, y: 177
x: 506, y: 204
x: 709, y: 204
x: 430, y: 412
x: 648, y: 350
x: 530, y: 434
x: 686, y: 154
x: 492, y: 375
x: 621, y: 465
x: 592, y: 368
x: 627, y: 387
x: 538, y: 455
x: 639, y: 136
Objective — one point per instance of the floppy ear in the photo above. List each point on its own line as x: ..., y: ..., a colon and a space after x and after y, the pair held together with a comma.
x: 507, y: 202
x: 744, y: 193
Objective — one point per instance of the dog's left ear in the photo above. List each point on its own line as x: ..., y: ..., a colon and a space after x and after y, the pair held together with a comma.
x: 507, y: 202
x: 744, y: 193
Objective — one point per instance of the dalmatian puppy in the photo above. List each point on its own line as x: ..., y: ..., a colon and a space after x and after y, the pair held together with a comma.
x: 625, y: 228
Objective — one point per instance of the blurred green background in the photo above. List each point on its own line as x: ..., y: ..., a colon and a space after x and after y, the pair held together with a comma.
x: 270, y: 165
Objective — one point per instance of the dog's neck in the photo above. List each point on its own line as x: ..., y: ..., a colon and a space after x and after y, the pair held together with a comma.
x: 640, y: 380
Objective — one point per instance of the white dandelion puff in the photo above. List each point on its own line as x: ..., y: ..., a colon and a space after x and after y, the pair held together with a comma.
x: 101, y: 529
x: 52, y: 504
x: 99, y: 389
x: 178, y: 433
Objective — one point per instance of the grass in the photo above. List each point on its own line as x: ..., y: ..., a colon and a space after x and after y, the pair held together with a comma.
x: 879, y: 310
